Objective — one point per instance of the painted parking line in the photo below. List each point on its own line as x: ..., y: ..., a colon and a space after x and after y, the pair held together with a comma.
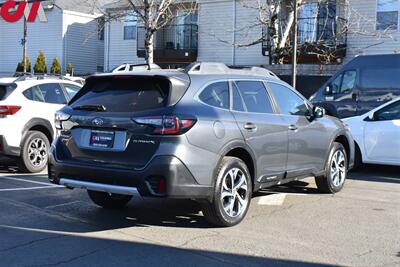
x: 29, y: 188
x: 25, y: 180
x: 276, y: 199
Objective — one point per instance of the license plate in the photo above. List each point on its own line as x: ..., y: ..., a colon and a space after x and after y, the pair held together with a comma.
x: 102, y: 139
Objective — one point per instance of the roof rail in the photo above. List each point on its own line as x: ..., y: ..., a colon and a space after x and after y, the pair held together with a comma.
x: 221, y: 68
x: 29, y: 76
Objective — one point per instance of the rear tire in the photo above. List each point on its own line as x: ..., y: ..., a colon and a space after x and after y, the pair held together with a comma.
x: 335, y: 171
x: 232, y: 194
x: 109, y: 201
x: 34, y: 152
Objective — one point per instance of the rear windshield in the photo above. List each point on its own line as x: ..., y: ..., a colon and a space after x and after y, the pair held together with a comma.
x: 3, y: 91
x: 124, y: 94
x: 380, y: 78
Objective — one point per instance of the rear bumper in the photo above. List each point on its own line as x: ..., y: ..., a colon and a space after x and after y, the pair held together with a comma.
x: 6, y: 150
x: 179, y: 182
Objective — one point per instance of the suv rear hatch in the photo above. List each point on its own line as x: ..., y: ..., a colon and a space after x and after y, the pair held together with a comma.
x: 112, y: 118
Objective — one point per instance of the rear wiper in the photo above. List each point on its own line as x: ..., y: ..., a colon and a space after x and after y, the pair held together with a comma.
x: 96, y: 108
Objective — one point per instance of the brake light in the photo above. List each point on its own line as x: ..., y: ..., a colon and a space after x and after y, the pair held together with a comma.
x: 59, y: 118
x: 166, y: 125
x: 9, y: 110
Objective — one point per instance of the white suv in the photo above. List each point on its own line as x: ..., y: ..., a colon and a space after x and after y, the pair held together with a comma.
x: 27, y: 108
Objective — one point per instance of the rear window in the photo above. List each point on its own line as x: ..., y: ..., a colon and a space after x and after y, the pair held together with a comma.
x: 3, y: 91
x: 124, y: 94
x: 382, y: 78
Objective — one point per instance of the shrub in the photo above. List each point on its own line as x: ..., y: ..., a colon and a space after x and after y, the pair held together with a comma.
x: 70, y: 69
x: 55, y: 67
x: 20, y: 66
x: 40, y: 64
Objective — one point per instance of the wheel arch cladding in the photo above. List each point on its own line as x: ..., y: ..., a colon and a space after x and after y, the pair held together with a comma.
x: 40, y: 125
x: 345, y: 142
x: 245, y: 156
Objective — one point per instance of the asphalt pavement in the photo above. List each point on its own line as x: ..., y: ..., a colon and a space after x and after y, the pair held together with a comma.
x: 46, y: 225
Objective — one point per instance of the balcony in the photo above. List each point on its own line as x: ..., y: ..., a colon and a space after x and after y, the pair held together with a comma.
x: 173, y: 45
x: 320, y: 40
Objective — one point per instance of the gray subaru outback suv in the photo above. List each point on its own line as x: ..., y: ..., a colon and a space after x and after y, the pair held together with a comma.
x: 208, y: 133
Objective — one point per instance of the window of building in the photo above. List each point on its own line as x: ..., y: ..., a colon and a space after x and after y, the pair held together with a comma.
x: 387, y: 15
x: 130, y: 26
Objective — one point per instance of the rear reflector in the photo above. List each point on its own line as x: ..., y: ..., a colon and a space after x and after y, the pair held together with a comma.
x: 9, y: 110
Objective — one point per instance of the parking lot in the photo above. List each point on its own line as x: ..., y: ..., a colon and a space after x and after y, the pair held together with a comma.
x: 46, y: 225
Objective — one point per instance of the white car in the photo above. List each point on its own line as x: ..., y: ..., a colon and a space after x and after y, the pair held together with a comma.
x: 27, y: 108
x: 377, y: 135
x: 133, y: 67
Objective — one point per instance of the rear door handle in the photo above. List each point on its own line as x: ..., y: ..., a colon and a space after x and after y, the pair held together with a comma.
x: 250, y: 126
x: 293, y: 128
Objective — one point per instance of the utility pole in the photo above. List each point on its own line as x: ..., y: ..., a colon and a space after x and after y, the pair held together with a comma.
x: 294, y: 53
x: 24, y: 54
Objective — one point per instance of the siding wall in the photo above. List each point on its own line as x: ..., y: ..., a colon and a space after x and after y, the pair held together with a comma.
x: 81, y: 42
x: 118, y: 50
x: 46, y: 37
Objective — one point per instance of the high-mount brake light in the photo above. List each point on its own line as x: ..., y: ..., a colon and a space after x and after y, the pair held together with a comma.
x: 9, y: 110
x: 166, y: 125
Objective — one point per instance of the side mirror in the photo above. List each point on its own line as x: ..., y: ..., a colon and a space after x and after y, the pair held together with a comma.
x: 318, y: 112
x: 328, y: 90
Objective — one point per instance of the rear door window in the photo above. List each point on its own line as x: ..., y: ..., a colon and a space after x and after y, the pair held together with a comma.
x: 34, y: 94
x: 124, y: 94
x: 380, y: 78
x: 252, y: 96
x: 53, y: 93
x: 216, y: 95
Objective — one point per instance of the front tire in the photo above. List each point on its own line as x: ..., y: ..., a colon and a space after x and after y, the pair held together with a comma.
x: 109, y: 201
x: 232, y: 194
x: 335, y: 171
x: 34, y: 152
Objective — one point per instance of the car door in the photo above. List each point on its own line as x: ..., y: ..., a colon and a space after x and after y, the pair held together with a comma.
x: 54, y: 100
x: 382, y: 135
x: 344, y: 94
x: 264, y: 130
x: 308, y: 139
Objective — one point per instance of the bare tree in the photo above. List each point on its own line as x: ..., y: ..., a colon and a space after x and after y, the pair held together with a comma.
x: 153, y: 15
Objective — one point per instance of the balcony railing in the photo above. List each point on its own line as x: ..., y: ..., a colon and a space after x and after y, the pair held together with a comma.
x: 173, y: 43
x: 316, y: 36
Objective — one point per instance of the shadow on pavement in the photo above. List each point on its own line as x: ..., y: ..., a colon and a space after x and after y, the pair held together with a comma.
x: 114, y: 250
x: 377, y: 173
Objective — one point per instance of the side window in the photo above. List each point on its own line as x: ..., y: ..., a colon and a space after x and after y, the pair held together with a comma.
x: 344, y: 83
x: 130, y: 26
x: 53, y: 93
x: 254, y: 96
x: 71, y: 89
x: 216, y: 95
x: 288, y: 101
x: 34, y: 94
x: 391, y: 112
x: 380, y: 78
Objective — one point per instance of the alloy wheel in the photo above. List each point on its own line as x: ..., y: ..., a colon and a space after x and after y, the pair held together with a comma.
x: 338, y: 168
x: 37, y: 152
x: 234, y: 192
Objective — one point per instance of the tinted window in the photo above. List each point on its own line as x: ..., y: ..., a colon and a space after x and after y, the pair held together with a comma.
x: 34, y: 94
x: 216, y: 95
x: 3, y: 91
x: 127, y: 94
x: 288, y: 101
x: 391, y: 112
x: 238, y: 102
x: 71, y: 89
x: 380, y: 78
x: 53, y: 93
x: 254, y: 96
x: 344, y: 83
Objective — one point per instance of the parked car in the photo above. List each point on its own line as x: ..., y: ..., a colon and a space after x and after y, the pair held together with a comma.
x: 76, y: 79
x: 211, y: 133
x: 363, y: 84
x: 134, y: 67
x: 27, y: 108
x: 377, y: 135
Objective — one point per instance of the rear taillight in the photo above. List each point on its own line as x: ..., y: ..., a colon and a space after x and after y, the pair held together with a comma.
x: 9, y: 110
x: 166, y: 125
x: 59, y: 118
